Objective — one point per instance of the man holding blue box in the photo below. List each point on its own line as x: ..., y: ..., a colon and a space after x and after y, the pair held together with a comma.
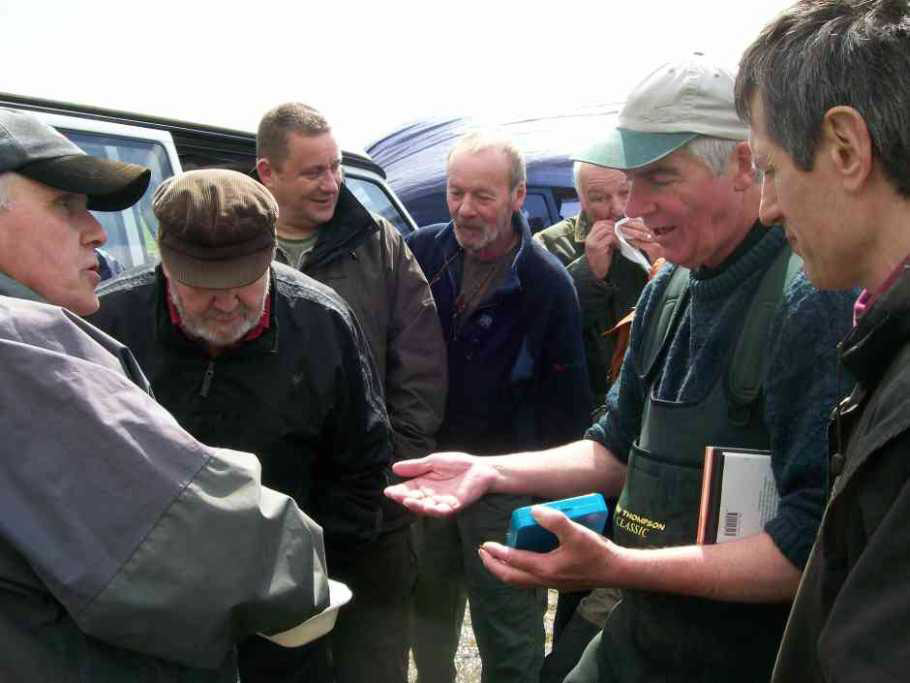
x: 722, y: 344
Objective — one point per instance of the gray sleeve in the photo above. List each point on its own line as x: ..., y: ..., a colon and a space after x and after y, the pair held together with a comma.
x: 150, y: 540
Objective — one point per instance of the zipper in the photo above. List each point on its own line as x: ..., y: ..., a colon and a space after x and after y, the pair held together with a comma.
x: 207, y: 379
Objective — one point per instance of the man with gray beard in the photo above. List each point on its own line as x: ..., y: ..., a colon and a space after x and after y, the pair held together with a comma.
x: 254, y: 355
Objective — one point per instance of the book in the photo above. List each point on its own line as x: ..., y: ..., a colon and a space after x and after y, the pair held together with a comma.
x: 738, y: 494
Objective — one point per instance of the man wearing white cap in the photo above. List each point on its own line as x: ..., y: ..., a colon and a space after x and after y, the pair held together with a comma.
x: 722, y: 345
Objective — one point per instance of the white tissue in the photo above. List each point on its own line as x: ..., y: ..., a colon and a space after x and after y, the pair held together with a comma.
x: 626, y: 249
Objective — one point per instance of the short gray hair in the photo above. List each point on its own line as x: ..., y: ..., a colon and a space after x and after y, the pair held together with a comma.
x: 820, y: 54
x: 480, y: 141
x: 715, y: 152
x: 576, y: 176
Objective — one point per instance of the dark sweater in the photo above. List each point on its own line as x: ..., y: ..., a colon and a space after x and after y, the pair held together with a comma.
x: 801, y: 382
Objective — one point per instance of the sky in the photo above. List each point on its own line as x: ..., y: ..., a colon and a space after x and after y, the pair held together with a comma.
x: 369, y: 67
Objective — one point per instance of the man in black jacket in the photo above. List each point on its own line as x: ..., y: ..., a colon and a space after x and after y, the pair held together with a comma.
x: 324, y: 231
x: 253, y: 355
x: 826, y: 88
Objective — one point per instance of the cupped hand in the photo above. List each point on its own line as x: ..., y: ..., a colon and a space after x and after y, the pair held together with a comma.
x: 442, y: 483
x: 582, y: 560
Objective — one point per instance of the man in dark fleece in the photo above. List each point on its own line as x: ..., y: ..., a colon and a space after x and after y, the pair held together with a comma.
x: 732, y: 346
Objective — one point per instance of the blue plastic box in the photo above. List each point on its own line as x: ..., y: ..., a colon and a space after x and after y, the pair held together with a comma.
x: 526, y: 534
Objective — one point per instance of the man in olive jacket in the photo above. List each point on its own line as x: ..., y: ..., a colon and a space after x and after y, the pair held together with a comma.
x: 326, y: 233
x: 608, y: 284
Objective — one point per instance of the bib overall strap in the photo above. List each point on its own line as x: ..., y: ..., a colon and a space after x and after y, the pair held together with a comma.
x: 744, y: 372
x: 671, y: 309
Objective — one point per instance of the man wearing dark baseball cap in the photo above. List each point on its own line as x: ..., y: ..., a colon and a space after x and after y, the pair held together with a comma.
x: 47, y: 235
x: 252, y: 354
x: 128, y: 550
x: 723, y: 343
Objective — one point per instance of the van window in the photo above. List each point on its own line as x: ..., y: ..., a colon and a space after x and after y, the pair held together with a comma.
x: 131, y: 233
x: 536, y: 211
x: 372, y: 196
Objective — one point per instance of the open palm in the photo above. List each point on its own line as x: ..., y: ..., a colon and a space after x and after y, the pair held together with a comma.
x: 440, y: 484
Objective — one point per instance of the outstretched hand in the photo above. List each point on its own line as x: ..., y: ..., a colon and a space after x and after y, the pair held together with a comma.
x: 583, y: 559
x: 441, y: 484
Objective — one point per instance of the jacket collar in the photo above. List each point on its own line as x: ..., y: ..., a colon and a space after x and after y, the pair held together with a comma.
x: 350, y: 226
x: 15, y: 289
x: 447, y: 245
x: 880, y: 333
x: 582, y: 226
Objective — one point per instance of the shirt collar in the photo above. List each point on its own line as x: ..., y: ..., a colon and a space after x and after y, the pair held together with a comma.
x: 867, y: 298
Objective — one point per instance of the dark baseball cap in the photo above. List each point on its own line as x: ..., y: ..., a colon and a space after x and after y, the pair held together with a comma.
x: 216, y: 228
x: 34, y: 149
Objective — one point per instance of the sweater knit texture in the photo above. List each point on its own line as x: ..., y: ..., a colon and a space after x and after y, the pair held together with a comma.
x: 801, y: 383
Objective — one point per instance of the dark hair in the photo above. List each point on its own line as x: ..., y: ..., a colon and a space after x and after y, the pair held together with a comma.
x: 820, y: 54
x: 290, y: 117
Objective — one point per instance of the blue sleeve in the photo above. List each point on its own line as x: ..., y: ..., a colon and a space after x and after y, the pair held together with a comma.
x: 620, y: 424
x: 803, y: 383
x: 564, y: 389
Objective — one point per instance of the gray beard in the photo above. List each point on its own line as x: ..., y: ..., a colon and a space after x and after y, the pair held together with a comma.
x: 201, y: 329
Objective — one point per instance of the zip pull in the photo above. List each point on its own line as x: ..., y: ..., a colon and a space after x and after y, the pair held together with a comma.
x: 207, y: 379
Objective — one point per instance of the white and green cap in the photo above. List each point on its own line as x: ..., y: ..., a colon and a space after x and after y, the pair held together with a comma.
x: 676, y: 103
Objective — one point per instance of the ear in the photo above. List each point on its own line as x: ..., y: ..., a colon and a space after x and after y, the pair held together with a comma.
x: 264, y: 169
x: 846, y: 145
x: 742, y: 172
x: 518, y: 197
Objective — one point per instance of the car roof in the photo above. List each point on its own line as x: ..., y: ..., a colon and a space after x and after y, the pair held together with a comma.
x: 197, y: 144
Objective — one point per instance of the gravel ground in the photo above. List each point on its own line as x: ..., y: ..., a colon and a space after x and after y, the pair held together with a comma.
x: 467, y: 661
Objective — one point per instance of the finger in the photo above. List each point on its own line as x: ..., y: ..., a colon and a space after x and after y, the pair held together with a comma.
x: 599, y: 242
x: 398, y: 492
x: 411, y: 468
x: 504, y: 571
x: 431, y: 506
x: 554, y: 521
x: 601, y: 228
x: 637, y: 234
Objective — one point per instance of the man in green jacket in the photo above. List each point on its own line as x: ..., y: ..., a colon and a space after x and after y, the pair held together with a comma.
x: 324, y: 231
x: 608, y: 284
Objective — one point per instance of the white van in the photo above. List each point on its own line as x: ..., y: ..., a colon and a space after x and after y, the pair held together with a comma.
x: 168, y: 147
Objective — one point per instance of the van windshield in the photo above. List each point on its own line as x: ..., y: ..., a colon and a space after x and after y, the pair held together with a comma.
x: 374, y: 198
x: 131, y: 233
